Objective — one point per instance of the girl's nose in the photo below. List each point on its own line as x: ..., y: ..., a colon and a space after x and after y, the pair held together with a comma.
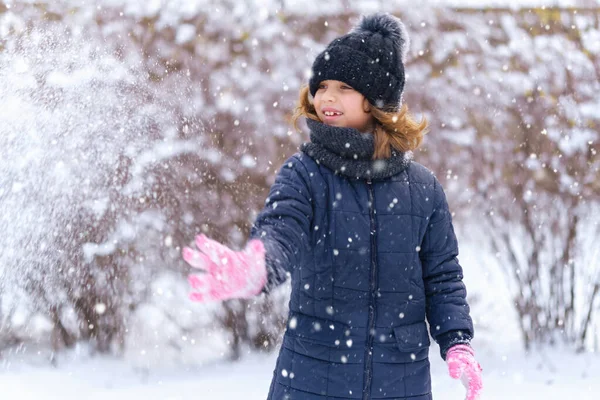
x: 328, y: 96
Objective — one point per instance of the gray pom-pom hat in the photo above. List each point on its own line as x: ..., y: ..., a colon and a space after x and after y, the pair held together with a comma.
x: 370, y: 58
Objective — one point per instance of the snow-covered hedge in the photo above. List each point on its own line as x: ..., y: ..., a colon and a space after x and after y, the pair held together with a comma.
x: 128, y: 127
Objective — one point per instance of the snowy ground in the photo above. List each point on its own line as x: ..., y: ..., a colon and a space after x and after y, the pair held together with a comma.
x: 546, y: 375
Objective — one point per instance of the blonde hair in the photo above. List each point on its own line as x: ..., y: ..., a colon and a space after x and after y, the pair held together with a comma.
x: 396, y: 129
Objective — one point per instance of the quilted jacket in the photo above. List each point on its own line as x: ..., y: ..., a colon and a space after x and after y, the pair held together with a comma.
x: 373, y: 268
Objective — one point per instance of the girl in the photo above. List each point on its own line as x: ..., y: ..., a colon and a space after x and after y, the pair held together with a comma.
x: 364, y: 232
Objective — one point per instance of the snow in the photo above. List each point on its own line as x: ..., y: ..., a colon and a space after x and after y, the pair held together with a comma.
x: 507, y: 3
x: 75, y: 112
x: 199, y: 371
x: 547, y: 374
x: 185, y: 33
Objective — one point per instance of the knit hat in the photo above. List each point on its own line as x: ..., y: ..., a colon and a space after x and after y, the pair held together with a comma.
x: 370, y: 58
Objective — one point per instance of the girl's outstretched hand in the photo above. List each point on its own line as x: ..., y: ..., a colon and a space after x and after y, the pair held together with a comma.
x: 227, y: 274
x: 462, y: 365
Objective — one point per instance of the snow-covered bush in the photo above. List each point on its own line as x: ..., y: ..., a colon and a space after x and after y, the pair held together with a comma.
x: 128, y: 127
x: 513, y: 96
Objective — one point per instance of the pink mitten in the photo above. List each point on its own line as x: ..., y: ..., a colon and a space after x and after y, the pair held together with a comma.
x: 227, y: 274
x: 462, y: 364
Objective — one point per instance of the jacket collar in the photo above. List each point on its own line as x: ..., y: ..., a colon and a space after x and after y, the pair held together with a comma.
x: 349, y: 152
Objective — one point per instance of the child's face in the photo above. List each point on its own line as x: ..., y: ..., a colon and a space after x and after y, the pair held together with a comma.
x: 340, y: 105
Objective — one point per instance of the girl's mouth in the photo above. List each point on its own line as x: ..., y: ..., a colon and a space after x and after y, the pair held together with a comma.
x: 330, y: 115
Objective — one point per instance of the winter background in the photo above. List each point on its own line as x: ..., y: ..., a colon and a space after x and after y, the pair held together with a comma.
x: 129, y: 126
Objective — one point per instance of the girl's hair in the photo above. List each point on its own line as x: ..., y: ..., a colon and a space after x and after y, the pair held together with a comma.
x: 398, y: 129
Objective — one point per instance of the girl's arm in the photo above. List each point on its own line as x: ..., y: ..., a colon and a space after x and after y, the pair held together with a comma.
x: 447, y: 308
x: 284, y: 223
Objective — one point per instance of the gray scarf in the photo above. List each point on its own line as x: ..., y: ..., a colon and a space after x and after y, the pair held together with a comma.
x: 349, y: 152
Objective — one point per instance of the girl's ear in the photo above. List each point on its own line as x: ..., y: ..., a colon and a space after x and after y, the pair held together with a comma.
x: 366, y: 105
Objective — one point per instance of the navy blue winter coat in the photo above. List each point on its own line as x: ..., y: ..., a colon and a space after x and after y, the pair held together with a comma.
x: 370, y: 262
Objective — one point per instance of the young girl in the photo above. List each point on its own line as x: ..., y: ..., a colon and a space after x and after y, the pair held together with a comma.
x: 364, y: 232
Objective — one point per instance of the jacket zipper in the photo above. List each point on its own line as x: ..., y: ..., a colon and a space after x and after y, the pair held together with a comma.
x: 368, y: 375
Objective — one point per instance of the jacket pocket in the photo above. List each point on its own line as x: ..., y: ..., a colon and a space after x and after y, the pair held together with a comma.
x: 320, y: 369
x: 412, y: 338
x: 317, y: 330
